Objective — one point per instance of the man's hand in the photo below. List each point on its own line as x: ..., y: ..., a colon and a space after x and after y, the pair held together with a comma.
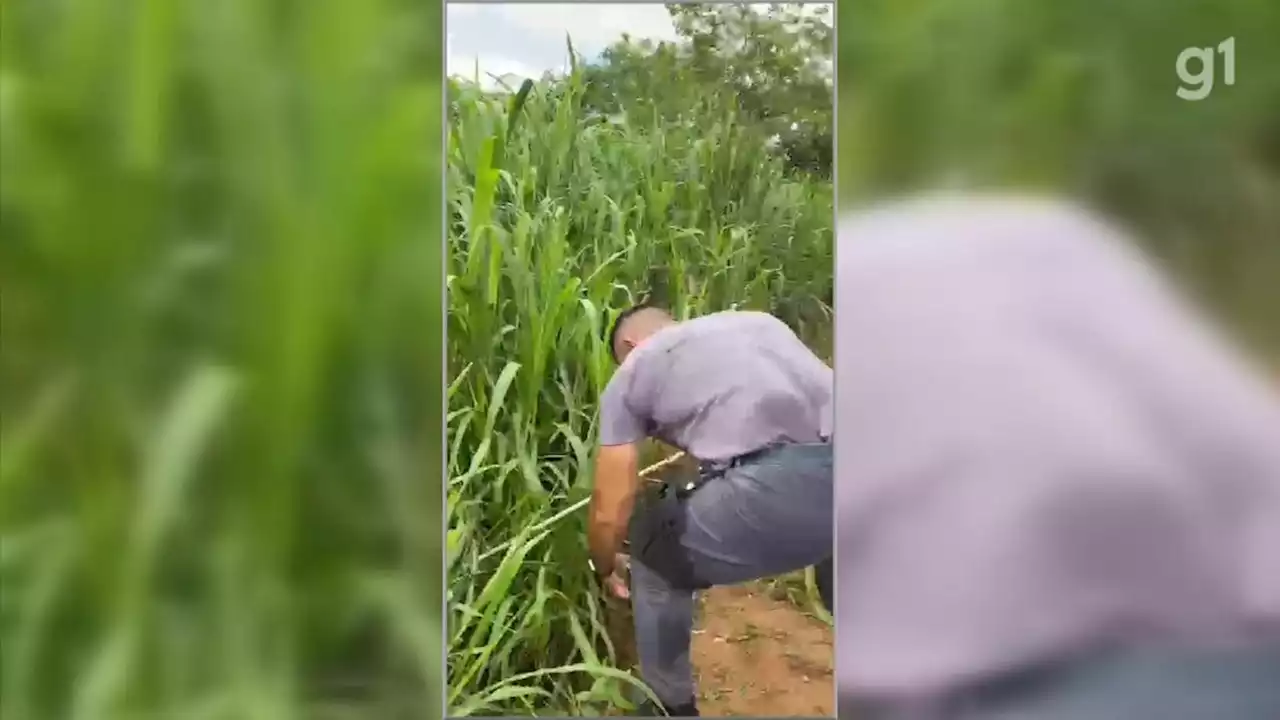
x: 614, y: 583
x: 616, y: 586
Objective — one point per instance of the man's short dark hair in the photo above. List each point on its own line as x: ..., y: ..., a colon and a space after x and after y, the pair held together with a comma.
x: 617, y: 325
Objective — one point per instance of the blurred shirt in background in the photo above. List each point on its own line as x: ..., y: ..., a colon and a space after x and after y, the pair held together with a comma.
x: 1043, y: 455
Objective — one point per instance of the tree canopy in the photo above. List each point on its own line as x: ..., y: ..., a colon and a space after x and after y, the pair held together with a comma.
x: 774, y: 66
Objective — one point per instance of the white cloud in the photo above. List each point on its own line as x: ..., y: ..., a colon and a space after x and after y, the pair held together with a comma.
x: 489, y: 67
x: 593, y: 27
x: 528, y: 39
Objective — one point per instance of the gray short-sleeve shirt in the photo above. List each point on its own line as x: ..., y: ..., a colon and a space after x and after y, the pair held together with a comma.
x: 719, y: 386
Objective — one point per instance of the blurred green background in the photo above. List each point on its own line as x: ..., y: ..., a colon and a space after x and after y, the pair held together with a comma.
x: 1079, y: 98
x: 221, y: 303
x: 220, y: 377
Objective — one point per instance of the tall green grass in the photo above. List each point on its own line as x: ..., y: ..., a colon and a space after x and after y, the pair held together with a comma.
x: 220, y: 263
x: 558, y: 218
x: 1079, y: 99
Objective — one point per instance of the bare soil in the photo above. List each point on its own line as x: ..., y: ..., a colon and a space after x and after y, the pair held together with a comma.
x: 754, y: 654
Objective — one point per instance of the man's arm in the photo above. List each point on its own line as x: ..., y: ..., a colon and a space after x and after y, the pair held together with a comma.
x: 616, y: 483
x: 613, y: 495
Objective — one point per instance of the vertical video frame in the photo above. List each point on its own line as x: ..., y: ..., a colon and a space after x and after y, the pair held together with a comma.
x: 640, y: 221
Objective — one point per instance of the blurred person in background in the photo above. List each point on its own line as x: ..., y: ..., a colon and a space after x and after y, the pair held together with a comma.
x: 1058, y: 487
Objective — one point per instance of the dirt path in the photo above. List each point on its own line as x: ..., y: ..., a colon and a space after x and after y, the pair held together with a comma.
x: 755, y: 655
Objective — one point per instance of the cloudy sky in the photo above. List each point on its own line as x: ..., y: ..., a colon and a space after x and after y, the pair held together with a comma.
x: 527, y: 39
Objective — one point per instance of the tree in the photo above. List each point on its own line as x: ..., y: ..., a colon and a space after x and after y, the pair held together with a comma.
x: 774, y: 66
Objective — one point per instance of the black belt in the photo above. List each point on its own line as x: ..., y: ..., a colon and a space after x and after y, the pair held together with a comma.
x: 709, y: 470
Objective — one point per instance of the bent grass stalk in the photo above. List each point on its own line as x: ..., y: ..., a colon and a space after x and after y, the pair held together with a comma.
x: 645, y: 473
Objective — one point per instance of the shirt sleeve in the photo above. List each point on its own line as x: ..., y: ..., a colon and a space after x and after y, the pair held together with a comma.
x: 619, y: 424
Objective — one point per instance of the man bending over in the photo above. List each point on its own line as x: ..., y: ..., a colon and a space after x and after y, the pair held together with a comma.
x: 743, y: 395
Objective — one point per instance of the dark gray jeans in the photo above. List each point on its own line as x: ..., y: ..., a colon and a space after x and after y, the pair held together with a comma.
x: 766, y: 517
x: 1164, y: 684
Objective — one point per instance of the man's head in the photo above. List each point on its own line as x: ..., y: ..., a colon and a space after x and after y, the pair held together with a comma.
x: 635, y: 325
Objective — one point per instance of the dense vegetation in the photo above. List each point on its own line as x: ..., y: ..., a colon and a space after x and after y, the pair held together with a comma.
x: 219, y: 258
x: 568, y: 200
x: 220, y: 370
x: 1079, y: 98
